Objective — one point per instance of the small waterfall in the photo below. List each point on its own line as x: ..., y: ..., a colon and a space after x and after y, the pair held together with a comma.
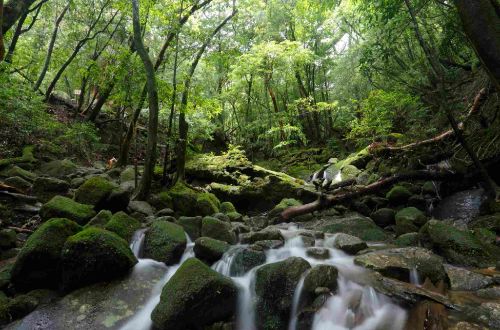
x: 415, y: 277
x: 138, y: 242
x: 246, y: 300
x: 296, y: 301
x: 338, y: 177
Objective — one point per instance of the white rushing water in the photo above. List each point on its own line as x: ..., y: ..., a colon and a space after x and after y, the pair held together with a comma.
x: 353, y: 307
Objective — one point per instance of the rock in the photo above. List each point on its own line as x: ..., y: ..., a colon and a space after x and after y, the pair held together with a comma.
x: 192, y: 226
x: 361, y: 208
x: 283, y: 205
x: 164, y: 242
x: 491, y: 222
x: 458, y: 246
x: 384, y: 217
x: 412, y: 214
x: 16, y: 308
x: 398, y: 195
x: 267, y: 245
x: 209, y: 250
x: 63, y: 207
x: 462, y: 279
x: 275, y: 285
x: 322, y: 276
x: 318, y: 253
x: 18, y: 182
x: 214, y: 228
x: 13, y: 171
x: 118, y: 200
x: 263, y: 235
x: 235, y: 216
x: 46, y: 188
x: 8, y: 239
x: 240, y: 228
x: 123, y: 225
x: 94, y: 255
x: 244, y: 260
x: 127, y: 174
x: 141, y: 207
x: 398, y: 263
x: 38, y: 265
x: 257, y: 222
x: 100, y: 220
x: 196, y: 296
x: 95, y: 191
x: 77, y: 182
x: 429, y: 188
x: 184, y: 199
x: 221, y: 217
x: 165, y: 212
x: 405, y: 226
x: 58, y: 168
x: 207, y: 204
x: 347, y: 243
x: 227, y: 207
x: 418, y: 201
x: 162, y: 201
x: 354, y: 224
x: 349, y: 172
x: 405, y: 240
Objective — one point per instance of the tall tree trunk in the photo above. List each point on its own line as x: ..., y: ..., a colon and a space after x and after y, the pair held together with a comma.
x: 2, y: 46
x: 51, y: 48
x: 103, y: 97
x: 481, y: 21
x: 13, y: 10
x: 147, y: 177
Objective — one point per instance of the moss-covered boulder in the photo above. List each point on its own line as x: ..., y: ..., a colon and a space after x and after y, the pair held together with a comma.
x: 195, y: 297
x: 162, y: 201
x: 412, y: 214
x: 184, y: 199
x: 94, y: 255
x: 398, y: 195
x: 460, y: 247
x: 245, y: 259
x: 16, y: 308
x: 46, y: 188
x: 356, y: 225
x: 191, y: 225
x: 12, y: 171
x: 210, y: 250
x: 38, y: 265
x: 8, y: 239
x: 227, y: 207
x: 491, y: 222
x: 19, y: 183
x: 268, y: 234
x: 235, y: 217
x: 348, y: 243
x: 409, y: 239
x: 214, y: 228
x: 384, y: 217
x: 100, y: 220
x: 123, y: 225
x: 58, y: 168
x: 63, y: 207
x: 283, y: 205
x: 207, y: 204
x: 275, y: 286
x: 95, y: 191
x: 321, y: 276
x: 27, y: 158
x: 164, y: 242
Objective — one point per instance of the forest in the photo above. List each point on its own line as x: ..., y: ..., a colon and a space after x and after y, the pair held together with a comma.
x: 250, y: 164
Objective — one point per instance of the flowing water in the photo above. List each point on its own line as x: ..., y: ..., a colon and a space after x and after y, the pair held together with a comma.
x: 354, y: 306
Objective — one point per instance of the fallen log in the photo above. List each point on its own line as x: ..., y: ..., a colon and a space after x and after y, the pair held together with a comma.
x: 329, y: 200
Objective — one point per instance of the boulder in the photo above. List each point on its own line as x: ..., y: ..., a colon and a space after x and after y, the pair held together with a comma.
x: 123, y: 225
x: 275, y: 285
x: 58, y: 168
x: 18, y: 182
x: 127, y: 174
x: 235, y: 216
x: 245, y: 259
x: 207, y: 204
x: 267, y: 245
x: 405, y: 226
x: 398, y: 195
x: 356, y: 225
x: 221, y: 217
x: 141, y: 207
x: 165, y: 212
x: 195, y: 297
x: 118, y: 200
x: 462, y: 279
x: 214, y: 228
x: 398, y: 263
x: 491, y: 222
x: 412, y: 214
x: 460, y: 247
x: 405, y: 240
x: 283, y: 205
x: 162, y: 201
x: 321, y: 276
x: 38, y: 265
x: 164, y: 242
x: 94, y: 255
x: 192, y: 226
x: 13, y: 171
x: 95, y: 191
x: 268, y: 234
x: 63, y: 207
x: 209, y: 250
x: 347, y: 243
x: 100, y: 220
x: 384, y: 217
x: 184, y: 199
x: 318, y: 253
x: 227, y: 207
x: 8, y: 238
x: 46, y: 188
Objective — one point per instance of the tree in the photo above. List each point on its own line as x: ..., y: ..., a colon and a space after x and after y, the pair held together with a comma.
x: 13, y: 10
x: 2, y: 46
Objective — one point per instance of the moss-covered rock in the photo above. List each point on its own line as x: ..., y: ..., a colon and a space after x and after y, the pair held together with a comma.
x: 94, y: 255
x: 214, y: 228
x: 355, y: 225
x: 245, y: 259
x: 16, y: 308
x: 491, y: 222
x: 209, y: 250
x: 46, y: 188
x: 162, y: 201
x: 227, y: 207
x: 100, y: 220
x: 59, y: 168
x: 321, y: 276
x: 123, y: 225
x: 283, y: 205
x: 398, y: 195
x: 348, y: 243
x: 12, y: 171
x: 412, y: 214
x: 207, y: 204
x: 191, y: 225
x: 196, y: 296
x: 95, y: 191
x: 19, y: 183
x: 26, y: 158
x: 184, y: 199
x: 405, y: 240
x: 458, y: 246
x: 267, y: 234
x: 349, y: 172
x: 38, y: 265
x: 8, y: 239
x: 63, y: 207
x: 275, y: 286
x: 235, y: 217
x: 164, y: 242
x: 404, y: 226
x: 384, y: 217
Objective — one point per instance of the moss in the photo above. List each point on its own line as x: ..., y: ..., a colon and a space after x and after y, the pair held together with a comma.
x: 8, y: 238
x: 63, y: 207
x: 485, y: 235
x: 123, y: 225
x: 359, y: 159
x: 227, y: 207
x: 94, y: 255
x: 165, y: 242
x: 210, y: 250
x: 17, y: 171
x: 192, y: 226
x: 5, y: 276
x: 38, y: 263
x: 207, y: 204
x: 214, y: 228
x: 59, y: 168
x: 27, y: 157
x: 405, y: 240
x: 413, y: 215
x: 235, y: 216
x: 100, y: 220
x: 398, y: 195
x: 194, y: 297
x: 165, y: 201
x: 405, y: 226
x: 184, y: 198
x: 358, y: 226
x: 94, y: 191
x: 283, y: 205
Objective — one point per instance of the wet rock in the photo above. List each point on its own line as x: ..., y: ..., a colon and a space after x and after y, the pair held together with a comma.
x: 95, y: 191
x: 141, y: 207
x: 123, y: 225
x: 462, y: 279
x: 405, y: 240
x: 8, y: 239
x: 258, y: 222
x: 491, y: 222
x: 398, y: 195
x: 384, y: 217
x: 235, y: 216
x: 321, y: 276
x: 263, y: 235
x: 221, y: 217
x: 184, y: 198
x: 192, y: 226
x: 13, y: 171
x: 275, y: 286
x: 94, y: 255
x: 318, y: 253
x: 352, y: 224
x: 412, y: 214
x: 46, y: 188
x: 267, y: 245
x: 63, y: 207
x: 245, y: 259
x: 38, y: 265
x: 118, y: 200
x: 210, y: 250
x: 240, y: 228
x: 164, y: 242
x: 207, y: 204
x: 214, y: 228
x: 100, y: 220
x: 405, y: 226
x: 398, y: 263
x: 194, y: 297
x: 347, y: 243
x: 361, y: 208
x: 18, y: 182
x: 165, y: 212
x: 418, y: 202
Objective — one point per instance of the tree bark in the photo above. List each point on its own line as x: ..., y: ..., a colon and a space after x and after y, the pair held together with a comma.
x: 2, y: 46
x: 481, y: 22
x: 147, y: 177
x: 13, y: 10
x: 103, y: 97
